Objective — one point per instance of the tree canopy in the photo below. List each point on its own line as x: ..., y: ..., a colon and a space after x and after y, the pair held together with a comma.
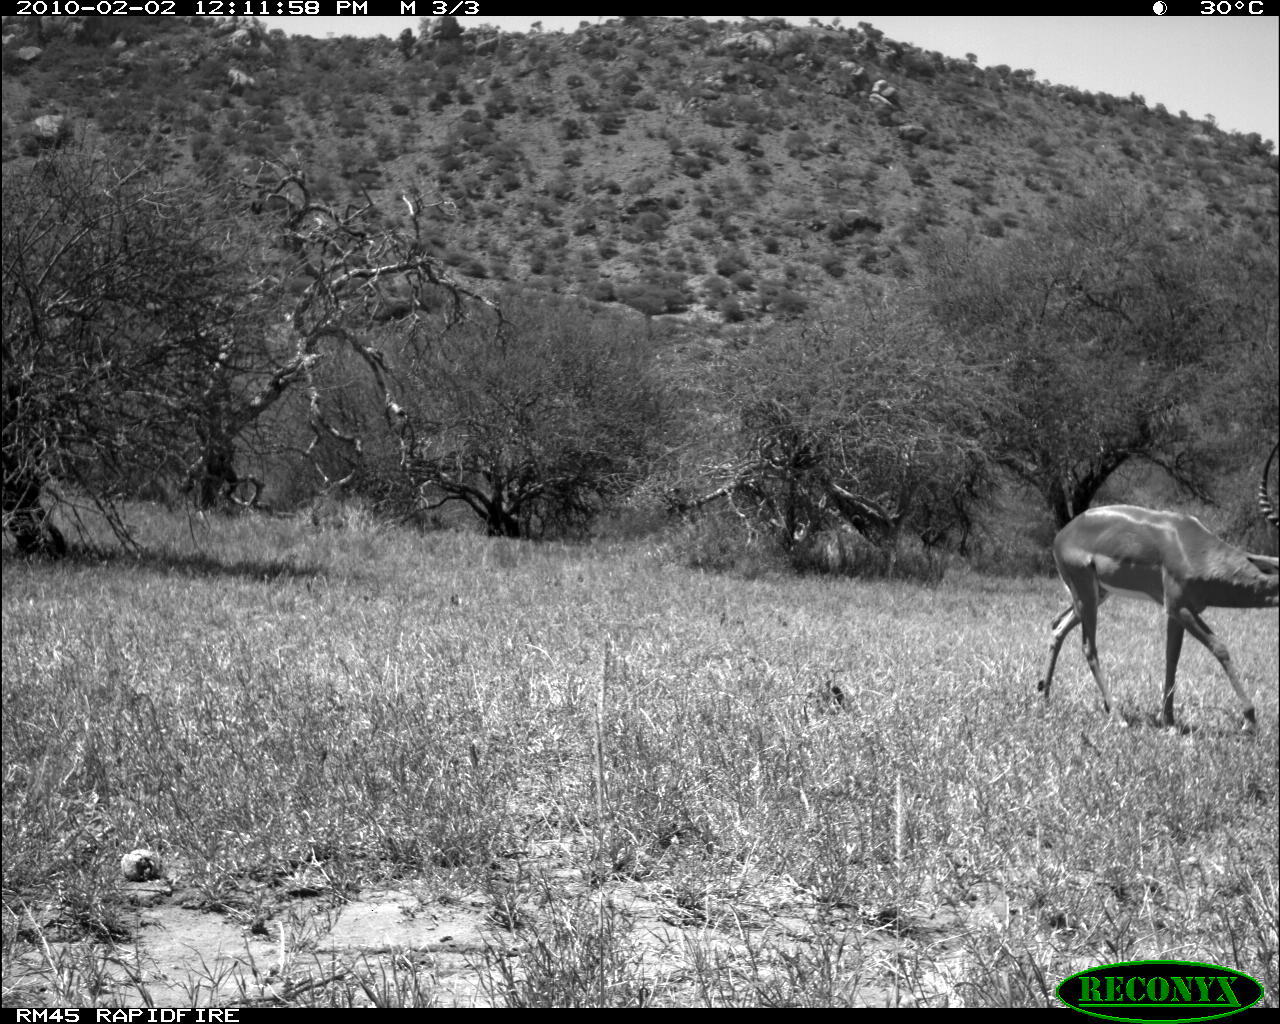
x: 1103, y: 321
x: 118, y: 323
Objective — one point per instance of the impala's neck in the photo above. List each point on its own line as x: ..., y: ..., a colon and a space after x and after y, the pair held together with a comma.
x: 1249, y: 582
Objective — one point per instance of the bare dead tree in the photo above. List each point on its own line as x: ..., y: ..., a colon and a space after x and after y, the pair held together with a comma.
x: 148, y: 330
x: 355, y: 273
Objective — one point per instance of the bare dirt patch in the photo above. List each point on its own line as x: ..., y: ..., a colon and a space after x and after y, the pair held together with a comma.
x: 753, y: 941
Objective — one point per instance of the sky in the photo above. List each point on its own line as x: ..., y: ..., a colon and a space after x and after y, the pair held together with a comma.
x: 1228, y: 67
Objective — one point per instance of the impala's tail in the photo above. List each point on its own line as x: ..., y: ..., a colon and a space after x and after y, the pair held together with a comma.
x: 1264, y: 499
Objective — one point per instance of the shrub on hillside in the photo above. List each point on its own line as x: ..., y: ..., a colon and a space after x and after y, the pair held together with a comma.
x: 656, y: 296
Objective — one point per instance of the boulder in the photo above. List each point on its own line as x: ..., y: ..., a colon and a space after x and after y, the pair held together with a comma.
x: 758, y: 41
x: 853, y: 74
x: 885, y: 93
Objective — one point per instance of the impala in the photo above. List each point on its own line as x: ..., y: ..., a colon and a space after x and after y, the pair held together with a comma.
x: 1171, y: 559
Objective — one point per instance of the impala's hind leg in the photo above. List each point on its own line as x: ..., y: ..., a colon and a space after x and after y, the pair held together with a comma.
x: 1086, y: 609
x: 1172, y: 651
x: 1086, y: 597
x: 1062, y: 625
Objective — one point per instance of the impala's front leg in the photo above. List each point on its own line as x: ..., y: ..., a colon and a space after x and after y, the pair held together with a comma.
x: 1199, y: 629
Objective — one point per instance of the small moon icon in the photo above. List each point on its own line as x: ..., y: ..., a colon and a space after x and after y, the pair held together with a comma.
x: 1159, y: 7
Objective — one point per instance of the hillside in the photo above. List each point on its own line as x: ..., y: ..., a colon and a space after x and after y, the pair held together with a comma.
x: 722, y: 170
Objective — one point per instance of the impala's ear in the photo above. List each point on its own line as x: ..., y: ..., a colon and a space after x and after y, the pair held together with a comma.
x: 1269, y: 565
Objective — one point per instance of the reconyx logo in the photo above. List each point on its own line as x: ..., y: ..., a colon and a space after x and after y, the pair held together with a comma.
x: 1164, y: 990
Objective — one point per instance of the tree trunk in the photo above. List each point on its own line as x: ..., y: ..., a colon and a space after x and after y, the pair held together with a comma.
x: 501, y: 523
x: 28, y: 520
x: 214, y: 476
x: 1073, y: 496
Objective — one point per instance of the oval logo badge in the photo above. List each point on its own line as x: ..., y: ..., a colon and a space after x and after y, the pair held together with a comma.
x: 1163, y: 990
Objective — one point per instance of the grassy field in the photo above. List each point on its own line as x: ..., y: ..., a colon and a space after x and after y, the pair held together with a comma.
x: 547, y: 775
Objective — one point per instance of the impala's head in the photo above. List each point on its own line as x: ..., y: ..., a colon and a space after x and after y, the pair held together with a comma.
x: 1267, y: 582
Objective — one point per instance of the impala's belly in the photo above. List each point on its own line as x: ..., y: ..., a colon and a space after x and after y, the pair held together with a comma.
x: 1137, y: 595
x: 1129, y: 578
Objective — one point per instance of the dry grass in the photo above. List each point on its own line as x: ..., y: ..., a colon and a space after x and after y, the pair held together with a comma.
x: 296, y: 719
